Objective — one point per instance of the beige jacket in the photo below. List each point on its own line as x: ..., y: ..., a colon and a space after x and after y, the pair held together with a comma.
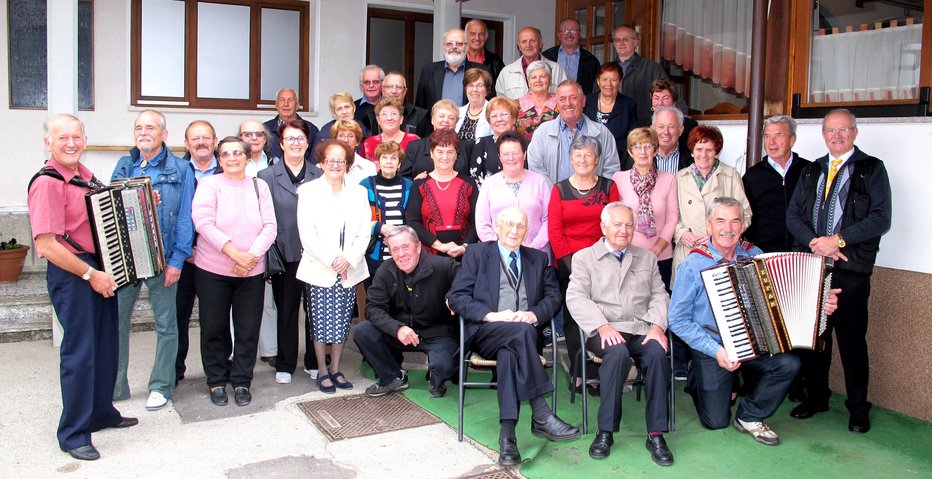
x: 724, y: 182
x: 629, y: 296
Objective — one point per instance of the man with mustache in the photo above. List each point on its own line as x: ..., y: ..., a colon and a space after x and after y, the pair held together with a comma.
x: 174, y: 181
x: 444, y: 79
x: 712, y: 373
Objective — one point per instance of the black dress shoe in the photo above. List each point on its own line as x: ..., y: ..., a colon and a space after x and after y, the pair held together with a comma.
x: 859, y: 422
x: 806, y: 410
x: 218, y: 396
x: 602, y: 445
x: 554, y: 429
x: 508, y: 454
x: 242, y: 396
x: 86, y: 452
x: 126, y: 422
x: 659, y: 451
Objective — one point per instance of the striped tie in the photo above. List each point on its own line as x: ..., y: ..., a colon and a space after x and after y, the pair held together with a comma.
x: 513, y: 267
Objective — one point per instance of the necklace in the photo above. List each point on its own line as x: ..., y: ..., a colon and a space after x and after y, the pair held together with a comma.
x: 472, y: 115
x: 581, y: 192
x: 443, y: 188
x: 604, y: 106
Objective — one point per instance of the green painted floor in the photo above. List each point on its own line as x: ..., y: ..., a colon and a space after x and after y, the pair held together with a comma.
x: 897, y: 446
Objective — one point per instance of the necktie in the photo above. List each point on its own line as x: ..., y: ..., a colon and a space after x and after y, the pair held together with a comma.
x: 619, y: 255
x: 832, y: 171
x: 513, y: 267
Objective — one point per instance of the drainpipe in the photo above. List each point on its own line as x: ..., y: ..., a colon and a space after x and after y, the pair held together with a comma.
x: 758, y: 62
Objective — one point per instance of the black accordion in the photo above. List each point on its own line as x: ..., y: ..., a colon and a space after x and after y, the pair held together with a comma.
x: 125, y: 225
x: 769, y: 304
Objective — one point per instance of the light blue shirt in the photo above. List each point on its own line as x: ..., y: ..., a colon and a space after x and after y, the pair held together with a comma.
x: 198, y: 174
x: 506, y: 256
x: 453, y: 84
x: 776, y: 166
x: 565, y: 165
x: 569, y: 62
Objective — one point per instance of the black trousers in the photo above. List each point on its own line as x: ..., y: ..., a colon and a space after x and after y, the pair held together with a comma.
x: 88, y: 354
x: 521, y: 376
x: 218, y: 294
x: 616, y: 362
x: 849, y: 322
x: 288, y: 291
x: 382, y: 351
x: 570, y: 328
x: 184, y: 303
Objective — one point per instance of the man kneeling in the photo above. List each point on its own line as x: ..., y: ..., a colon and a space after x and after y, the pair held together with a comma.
x: 619, y: 301
x: 406, y: 312
x: 506, y: 292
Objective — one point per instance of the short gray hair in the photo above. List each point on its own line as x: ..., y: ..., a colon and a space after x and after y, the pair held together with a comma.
x: 675, y: 110
x: 582, y: 142
x: 784, y: 120
x: 607, y: 210
x: 723, y: 201
x: 399, y: 230
x: 540, y: 65
x: 55, y: 120
x: 371, y: 67
x: 161, y: 117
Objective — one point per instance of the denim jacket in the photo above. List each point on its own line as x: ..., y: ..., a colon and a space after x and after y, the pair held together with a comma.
x: 690, y: 314
x: 174, y: 180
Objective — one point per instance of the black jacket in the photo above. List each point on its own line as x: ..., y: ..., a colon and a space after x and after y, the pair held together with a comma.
x: 418, y: 160
x: 275, y: 143
x: 430, y: 84
x: 866, y: 216
x: 495, y: 64
x: 396, y: 299
x: 769, y: 194
x: 620, y: 120
x: 588, y: 67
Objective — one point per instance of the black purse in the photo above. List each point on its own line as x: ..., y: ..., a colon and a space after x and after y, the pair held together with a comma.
x: 274, y: 262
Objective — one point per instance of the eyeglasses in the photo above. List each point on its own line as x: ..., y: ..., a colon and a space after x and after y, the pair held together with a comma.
x: 389, y: 114
x: 569, y: 30
x: 500, y: 116
x: 625, y: 39
x: 295, y: 140
x: 229, y: 153
x: 335, y: 162
x: 371, y: 82
x: 346, y: 138
x: 394, y: 87
x: 509, y: 225
x: 477, y: 86
x: 843, y: 131
x: 252, y: 134
x: 643, y: 147
x: 454, y: 44
x: 404, y: 248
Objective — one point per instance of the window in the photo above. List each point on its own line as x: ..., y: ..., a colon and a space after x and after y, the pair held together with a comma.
x: 28, y: 41
x: 227, y: 54
x: 596, y: 20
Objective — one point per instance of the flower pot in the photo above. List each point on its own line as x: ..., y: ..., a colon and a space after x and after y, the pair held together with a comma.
x: 11, y: 263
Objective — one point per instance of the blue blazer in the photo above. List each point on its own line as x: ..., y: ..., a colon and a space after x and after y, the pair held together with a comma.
x: 475, y: 290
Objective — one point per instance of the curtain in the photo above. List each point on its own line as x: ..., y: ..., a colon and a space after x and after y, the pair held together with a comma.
x: 711, y: 39
x: 880, y: 64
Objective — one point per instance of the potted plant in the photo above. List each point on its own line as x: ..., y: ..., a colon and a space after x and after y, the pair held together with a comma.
x: 12, y: 259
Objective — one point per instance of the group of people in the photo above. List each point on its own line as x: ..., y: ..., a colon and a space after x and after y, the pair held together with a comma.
x: 512, y: 212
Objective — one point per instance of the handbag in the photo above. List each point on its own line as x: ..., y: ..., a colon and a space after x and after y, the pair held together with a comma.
x: 274, y: 262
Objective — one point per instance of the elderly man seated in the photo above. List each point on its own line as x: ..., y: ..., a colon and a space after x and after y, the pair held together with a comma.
x: 506, y: 292
x: 619, y: 301
x: 406, y: 312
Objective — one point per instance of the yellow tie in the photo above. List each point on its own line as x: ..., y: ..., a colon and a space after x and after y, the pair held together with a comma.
x: 832, y: 171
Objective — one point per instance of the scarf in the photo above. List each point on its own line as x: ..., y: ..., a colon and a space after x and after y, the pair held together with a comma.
x: 697, y: 176
x: 644, y: 186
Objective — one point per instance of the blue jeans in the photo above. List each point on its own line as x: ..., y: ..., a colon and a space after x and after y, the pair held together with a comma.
x: 164, y: 308
x: 711, y: 387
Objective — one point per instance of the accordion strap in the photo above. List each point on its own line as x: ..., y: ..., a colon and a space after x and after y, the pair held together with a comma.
x: 93, y: 185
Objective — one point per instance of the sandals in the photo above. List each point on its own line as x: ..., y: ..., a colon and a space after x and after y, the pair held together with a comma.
x: 326, y: 389
x: 341, y: 384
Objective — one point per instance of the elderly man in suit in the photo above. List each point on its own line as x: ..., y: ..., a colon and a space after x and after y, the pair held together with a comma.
x: 507, y: 293
x: 443, y: 80
x: 619, y: 301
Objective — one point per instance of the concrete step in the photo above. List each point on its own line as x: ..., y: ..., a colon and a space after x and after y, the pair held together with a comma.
x: 26, y: 311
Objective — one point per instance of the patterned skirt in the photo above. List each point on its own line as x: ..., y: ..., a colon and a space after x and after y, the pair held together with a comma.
x: 332, y: 312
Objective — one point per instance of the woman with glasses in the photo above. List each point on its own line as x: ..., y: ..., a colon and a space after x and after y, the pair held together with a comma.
x: 350, y: 132
x: 284, y: 178
x: 442, y: 206
x: 342, y: 108
x: 235, y: 220
x: 538, y: 104
x: 472, y: 123
x: 651, y: 194
x: 334, y: 225
x: 617, y: 112
x: 501, y: 113
x: 389, y: 114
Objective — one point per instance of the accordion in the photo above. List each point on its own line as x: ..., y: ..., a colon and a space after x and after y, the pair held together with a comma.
x: 769, y: 304
x: 126, y: 232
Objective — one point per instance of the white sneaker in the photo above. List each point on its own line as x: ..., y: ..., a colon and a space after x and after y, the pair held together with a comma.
x: 156, y: 401
x: 312, y: 373
x: 282, y: 378
x: 759, y: 431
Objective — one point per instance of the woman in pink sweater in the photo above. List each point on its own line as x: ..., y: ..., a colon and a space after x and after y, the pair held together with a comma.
x: 235, y: 218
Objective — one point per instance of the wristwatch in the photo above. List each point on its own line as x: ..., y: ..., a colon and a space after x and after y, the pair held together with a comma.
x: 841, y: 242
x: 87, y: 275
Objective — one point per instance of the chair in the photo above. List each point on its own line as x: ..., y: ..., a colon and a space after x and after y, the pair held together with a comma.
x: 638, y: 383
x: 469, y: 359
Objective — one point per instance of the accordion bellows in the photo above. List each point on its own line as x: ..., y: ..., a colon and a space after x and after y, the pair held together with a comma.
x: 769, y: 304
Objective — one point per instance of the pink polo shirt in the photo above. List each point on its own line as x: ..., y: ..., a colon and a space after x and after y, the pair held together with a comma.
x: 58, y: 207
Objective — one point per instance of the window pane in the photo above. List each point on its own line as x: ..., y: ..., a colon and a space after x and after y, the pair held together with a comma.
x: 281, y: 49
x: 598, y: 22
x: 598, y: 50
x: 162, y: 65
x: 618, y: 14
x: 423, y: 52
x: 866, y: 53
x: 583, y: 23
x: 222, y: 51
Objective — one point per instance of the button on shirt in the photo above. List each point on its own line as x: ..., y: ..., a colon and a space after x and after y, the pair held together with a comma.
x: 565, y: 165
x: 669, y: 164
x: 453, y: 84
x: 569, y: 62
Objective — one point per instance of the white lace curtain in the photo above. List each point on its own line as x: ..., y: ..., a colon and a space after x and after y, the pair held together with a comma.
x: 711, y: 39
x: 880, y: 64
